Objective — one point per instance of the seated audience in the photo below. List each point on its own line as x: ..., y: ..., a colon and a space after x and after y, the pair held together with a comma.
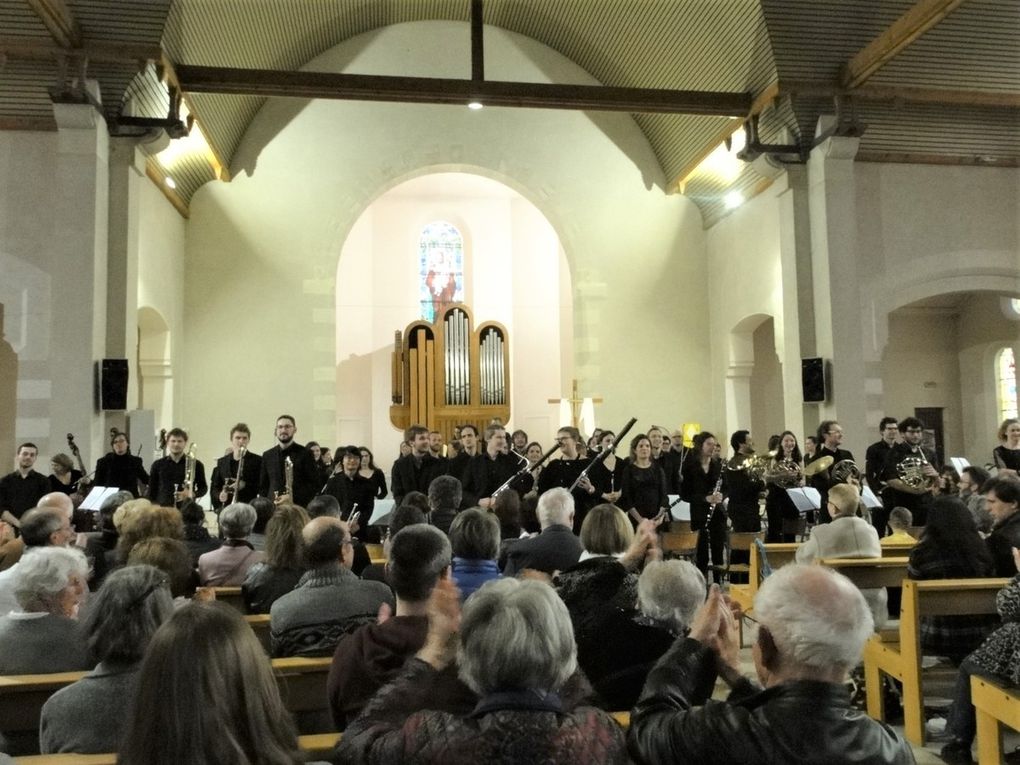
x: 172, y: 558
x: 145, y: 521
x: 998, y: 658
x: 329, y: 601
x: 516, y: 650
x: 556, y: 548
x: 326, y: 505
x: 474, y: 536
x: 951, y: 548
x: 196, y: 536
x: 416, y: 499
x: 445, y: 494
x: 264, y: 509
x: 899, y: 522
x: 272, y: 578
x: 373, y: 655
x: 207, y: 695
x: 42, y: 636
x: 972, y: 478
x: 228, y: 566
x: 1002, y: 500
x: 847, y: 536
x: 812, y: 626
x: 669, y: 594
x: 41, y: 527
x: 88, y: 716
x: 400, y: 518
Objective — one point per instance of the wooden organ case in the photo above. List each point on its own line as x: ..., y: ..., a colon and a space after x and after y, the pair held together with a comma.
x: 446, y: 374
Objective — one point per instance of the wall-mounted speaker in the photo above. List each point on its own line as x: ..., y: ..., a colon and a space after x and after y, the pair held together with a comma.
x: 113, y: 384
x: 812, y: 380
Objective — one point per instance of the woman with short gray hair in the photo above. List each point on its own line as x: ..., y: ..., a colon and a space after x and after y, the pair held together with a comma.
x: 42, y: 636
x: 670, y: 592
x: 228, y: 566
x: 516, y: 650
x: 131, y: 605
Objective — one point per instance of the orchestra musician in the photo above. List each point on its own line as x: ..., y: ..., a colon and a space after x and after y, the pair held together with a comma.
x: 778, y: 505
x: 350, y: 488
x: 272, y: 481
x: 702, y: 484
x: 909, y: 473
x: 167, y: 486
x: 874, y: 467
x: 741, y: 487
x: 1006, y: 455
x: 227, y: 486
x: 643, y: 484
x: 606, y: 474
x: 829, y: 437
x: 564, y: 471
x: 63, y: 477
x: 120, y: 468
x: 492, y: 468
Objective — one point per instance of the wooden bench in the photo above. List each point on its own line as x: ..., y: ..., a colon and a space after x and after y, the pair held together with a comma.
x: 899, y: 655
x: 302, y: 683
x: 870, y: 573
x: 317, y: 746
x: 376, y: 553
x: 993, y: 704
x: 231, y: 596
x: 259, y: 624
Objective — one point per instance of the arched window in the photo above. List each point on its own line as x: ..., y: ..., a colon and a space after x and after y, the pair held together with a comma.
x: 1005, y: 383
x: 440, y: 268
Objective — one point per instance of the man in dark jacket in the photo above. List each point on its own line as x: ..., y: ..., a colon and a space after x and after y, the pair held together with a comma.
x: 556, y: 548
x: 415, y: 471
x: 812, y: 626
x: 1002, y: 500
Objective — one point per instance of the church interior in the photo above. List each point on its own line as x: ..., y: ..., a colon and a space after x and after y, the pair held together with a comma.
x: 670, y: 204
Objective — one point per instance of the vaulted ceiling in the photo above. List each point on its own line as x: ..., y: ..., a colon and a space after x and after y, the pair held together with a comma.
x: 928, y: 81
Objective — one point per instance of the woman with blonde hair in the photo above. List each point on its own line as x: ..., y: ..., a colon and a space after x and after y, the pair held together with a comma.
x: 1006, y: 455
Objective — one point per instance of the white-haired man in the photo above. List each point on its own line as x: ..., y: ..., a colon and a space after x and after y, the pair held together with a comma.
x: 556, y: 548
x: 812, y: 626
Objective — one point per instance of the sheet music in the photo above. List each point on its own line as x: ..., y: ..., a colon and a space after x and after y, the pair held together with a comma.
x: 868, y: 497
x: 380, y: 515
x: 97, y: 497
x: 959, y: 463
x: 805, y: 498
x: 680, y: 510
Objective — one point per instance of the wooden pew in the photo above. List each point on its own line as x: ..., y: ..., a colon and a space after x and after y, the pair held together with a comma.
x: 900, y: 656
x: 993, y: 704
x: 231, y: 596
x: 259, y: 624
x: 317, y: 746
x: 302, y: 683
x: 870, y: 573
x: 376, y: 553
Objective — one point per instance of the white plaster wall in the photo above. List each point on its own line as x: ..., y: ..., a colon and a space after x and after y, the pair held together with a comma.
x: 265, y: 246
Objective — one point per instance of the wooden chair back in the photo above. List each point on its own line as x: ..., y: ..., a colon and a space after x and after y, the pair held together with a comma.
x: 681, y: 544
x: 870, y: 573
x: 231, y: 596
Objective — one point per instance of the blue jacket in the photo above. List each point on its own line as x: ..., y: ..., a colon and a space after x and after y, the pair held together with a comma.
x: 469, y: 575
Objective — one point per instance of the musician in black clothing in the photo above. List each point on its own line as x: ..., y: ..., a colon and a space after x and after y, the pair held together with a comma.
x: 415, y: 471
x: 742, y: 489
x: 22, y: 489
x: 563, y: 472
x: 607, y: 474
x: 121, y: 468
x: 911, y: 487
x: 272, y: 481
x: 874, y: 466
x: 166, y: 487
x: 488, y: 471
x: 352, y: 490
x: 458, y: 466
x: 225, y: 488
x: 701, y: 488
x: 830, y: 436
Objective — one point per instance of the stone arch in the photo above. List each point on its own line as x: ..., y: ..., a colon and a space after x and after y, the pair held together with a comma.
x: 753, y: 343
x: 155, y: 366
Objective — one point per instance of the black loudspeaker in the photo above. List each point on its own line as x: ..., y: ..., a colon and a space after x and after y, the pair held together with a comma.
x: 113, y: 384
x: 812, y: 380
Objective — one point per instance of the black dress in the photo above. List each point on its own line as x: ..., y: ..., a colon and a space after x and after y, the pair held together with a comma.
x: 698, y: 484
x: 644, y: 489
x: 1004, y: 457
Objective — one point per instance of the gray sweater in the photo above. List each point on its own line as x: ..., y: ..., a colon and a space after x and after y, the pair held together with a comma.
x: 88, y: 717
x: 40, y: 644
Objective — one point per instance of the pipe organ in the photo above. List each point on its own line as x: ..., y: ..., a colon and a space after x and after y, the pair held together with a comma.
x: 447, y: 374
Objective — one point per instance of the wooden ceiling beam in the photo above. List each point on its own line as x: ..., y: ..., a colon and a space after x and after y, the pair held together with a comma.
x: 427, y: 90
x: 59, y: 20
x: 911, y: 95
x: 35, y: 124
x: 34, y: 49
x: 924, y: 15
x: 213, y: 156
x: 916, y: 158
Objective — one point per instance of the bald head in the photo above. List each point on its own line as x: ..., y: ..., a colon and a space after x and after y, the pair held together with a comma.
x: 327, y: 540
x: 817, y: 622
x: 58, y: 501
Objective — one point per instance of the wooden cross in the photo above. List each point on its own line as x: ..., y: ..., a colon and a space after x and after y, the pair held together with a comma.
x: 576, y: 402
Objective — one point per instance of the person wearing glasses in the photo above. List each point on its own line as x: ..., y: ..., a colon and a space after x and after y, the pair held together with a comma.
x: 128, y: 609
x: 330, y: 601
x: 909, y: 474
x: 830, y: 439
x: 564, y: 471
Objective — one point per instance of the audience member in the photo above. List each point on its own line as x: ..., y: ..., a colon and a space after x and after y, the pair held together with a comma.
x: 88, y: 717
x: 474, y: 536
x: 172, y: 558
x: 40, y: 528
x: 329, y: 601
x: 445, y: 494
x: 272, y: 578
x: 951, y: 548
x: 264, y: 509
x: 812, y: 626
x: 506, y: 506
x: 327, y: 506
x: 1002, y: 500
x: 228, y: 566
x: 401, y: 518
x: 899, y: 522
x: 847, y: 536
x: 416, y: 499
x: 972, y: 478
x: 196, y: 536
x: 556, y: 548
x: 146, y: 521
x: 516, y: 650
x: 374, y: 654
x: 669, y: 594
x: 207, y: 695
x: 42, y: 635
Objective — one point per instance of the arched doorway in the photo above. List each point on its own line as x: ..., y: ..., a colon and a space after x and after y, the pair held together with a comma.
x: 514, y: 272
x: 754, y: 379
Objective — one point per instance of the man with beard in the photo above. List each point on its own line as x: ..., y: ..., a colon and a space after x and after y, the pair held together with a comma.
x: 272, y: 481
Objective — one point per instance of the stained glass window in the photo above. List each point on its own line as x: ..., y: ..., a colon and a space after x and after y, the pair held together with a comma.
x: 1005, y: 376
x: 440, y: 268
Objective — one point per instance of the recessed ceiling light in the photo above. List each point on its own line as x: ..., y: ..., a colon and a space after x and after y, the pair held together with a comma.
x: 733, y: 200
x: 474, y: 105
x: 171, y: 183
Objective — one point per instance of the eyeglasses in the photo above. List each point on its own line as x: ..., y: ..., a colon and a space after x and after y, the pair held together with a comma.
x: 754, y: 628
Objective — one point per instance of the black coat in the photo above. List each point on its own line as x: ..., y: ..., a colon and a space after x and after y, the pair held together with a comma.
x: 1005, y: 536
x: 557, y: 548
x: 306, y: 474
x: 410, y: 475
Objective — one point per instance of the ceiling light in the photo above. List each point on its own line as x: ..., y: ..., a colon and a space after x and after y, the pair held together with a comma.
x: 474, y: 105
x: 170, y: 183
x: 733, y: 200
